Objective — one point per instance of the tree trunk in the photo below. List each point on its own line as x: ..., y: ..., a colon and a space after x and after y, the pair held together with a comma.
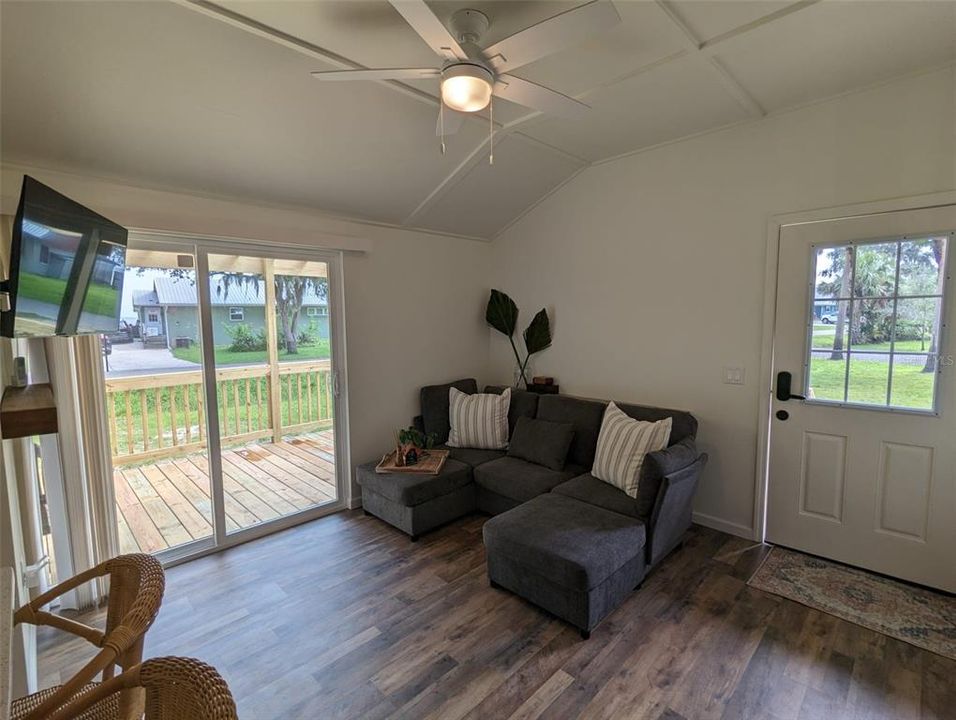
x: 292, y: 334
x: 840, y: 325
x: 931, y: 360
x: 283, y: 311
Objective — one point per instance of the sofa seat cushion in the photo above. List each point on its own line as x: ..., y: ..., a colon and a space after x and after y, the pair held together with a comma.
x: 472, y: 456
x: 519, y: 479
x: 589, y: 489
x: 411, y: 488
x: 571, y: 543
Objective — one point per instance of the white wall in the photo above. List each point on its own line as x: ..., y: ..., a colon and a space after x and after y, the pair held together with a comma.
x: 652, y: 266
x: 413, y: 305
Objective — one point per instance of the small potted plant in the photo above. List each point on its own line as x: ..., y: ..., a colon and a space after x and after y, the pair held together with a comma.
x: 411, y: 446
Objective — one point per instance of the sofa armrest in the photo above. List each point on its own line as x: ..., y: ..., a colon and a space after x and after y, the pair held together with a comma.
x: 673, y: 509
x: 418, y: 423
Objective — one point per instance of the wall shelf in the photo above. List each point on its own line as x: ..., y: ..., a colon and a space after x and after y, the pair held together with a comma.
x: 27, y: 411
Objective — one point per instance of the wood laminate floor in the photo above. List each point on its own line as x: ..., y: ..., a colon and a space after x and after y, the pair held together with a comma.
x: 345, y: 618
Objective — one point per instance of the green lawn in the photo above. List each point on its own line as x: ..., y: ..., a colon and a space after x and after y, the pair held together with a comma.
x: 912, y: 388
x: 101, y: 299
x: 224, y: 356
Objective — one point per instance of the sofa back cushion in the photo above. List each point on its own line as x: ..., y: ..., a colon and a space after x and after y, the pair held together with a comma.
x: 478, y: 420
x: 622, y: 446
x: 584, y: 415
x: 684, y: 425
x: 541, y: 442
x: 435, y: 406
x: 523, y: 404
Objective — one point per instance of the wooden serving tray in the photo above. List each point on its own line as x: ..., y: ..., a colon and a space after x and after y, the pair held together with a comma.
x: 431, y: 463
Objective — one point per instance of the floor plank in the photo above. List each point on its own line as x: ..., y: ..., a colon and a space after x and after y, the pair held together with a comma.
x: 345, y: 618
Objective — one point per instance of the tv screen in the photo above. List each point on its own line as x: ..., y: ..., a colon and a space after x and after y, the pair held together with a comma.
x: 66, y: 267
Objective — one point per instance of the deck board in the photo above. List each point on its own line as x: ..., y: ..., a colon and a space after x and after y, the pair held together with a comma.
x: 167, y: 502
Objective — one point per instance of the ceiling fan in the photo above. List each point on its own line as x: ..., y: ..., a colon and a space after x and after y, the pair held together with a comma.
x: 471, y: 75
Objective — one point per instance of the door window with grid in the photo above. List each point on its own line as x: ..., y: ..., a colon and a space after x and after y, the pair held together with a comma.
x: 875, y: 323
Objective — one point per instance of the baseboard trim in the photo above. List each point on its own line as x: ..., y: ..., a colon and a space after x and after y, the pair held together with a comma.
x: 731, y: 528
x: 355, y: 502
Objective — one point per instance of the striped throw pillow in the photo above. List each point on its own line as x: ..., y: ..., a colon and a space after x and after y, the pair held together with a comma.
x: 479, y: 420
x: 622, y: 444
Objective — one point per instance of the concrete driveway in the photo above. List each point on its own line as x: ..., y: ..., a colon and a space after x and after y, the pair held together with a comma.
x: 133, y: 359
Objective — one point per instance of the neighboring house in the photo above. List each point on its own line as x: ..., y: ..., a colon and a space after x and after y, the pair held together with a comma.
x: 168, y: 313
x: 49, y: 252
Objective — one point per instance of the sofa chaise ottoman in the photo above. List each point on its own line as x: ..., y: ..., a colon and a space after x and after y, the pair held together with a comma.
x: 417, y: 503
x: 573, y: 559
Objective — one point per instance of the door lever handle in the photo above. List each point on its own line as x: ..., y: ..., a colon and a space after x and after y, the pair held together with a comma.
x: 784, y: 380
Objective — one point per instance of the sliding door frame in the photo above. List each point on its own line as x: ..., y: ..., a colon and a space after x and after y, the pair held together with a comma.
x: 201, y: 247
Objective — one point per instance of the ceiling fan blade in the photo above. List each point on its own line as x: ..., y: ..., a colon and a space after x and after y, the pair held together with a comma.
x: 538, y: 97
x: 452, y: 121
x: 379, y: 74
x: 433, y: 32
x: 552, y: 35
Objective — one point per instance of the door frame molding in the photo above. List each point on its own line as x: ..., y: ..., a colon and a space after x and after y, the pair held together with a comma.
x: 765, y: 383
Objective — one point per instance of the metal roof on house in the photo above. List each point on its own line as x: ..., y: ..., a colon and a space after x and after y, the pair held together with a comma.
x: 173, y: 291
x: 144, y: 297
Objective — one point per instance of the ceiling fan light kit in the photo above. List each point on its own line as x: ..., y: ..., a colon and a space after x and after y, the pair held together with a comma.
x: 466, y: 87
x: 471, y: 75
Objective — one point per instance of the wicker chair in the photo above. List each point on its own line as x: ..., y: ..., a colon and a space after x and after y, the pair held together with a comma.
x: 176, y: 689
x: 136, y: 590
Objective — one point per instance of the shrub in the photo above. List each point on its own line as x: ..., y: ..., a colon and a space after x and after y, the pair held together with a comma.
x: 244, y: 339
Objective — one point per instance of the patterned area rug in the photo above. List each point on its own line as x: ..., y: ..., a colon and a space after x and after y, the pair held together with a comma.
x: 921, y: 617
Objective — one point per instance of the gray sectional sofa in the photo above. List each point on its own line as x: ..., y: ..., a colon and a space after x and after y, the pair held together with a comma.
x: 568, y: 542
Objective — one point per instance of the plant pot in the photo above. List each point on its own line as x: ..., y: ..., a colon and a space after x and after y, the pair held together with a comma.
x: 408, y: 454
x: 521, y: 383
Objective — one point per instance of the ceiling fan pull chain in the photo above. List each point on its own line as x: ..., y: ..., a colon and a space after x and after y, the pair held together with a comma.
x: 441, y: 123
x: 491, y: 131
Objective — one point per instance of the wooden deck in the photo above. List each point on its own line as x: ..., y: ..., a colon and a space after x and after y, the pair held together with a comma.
x: 166, y: 503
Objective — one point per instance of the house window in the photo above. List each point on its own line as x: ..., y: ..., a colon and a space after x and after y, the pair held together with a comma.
x: 875, y: 323
x: 317, y: 311
x: 152, y: 316
x: 236, y: 314
x: 44, y: 255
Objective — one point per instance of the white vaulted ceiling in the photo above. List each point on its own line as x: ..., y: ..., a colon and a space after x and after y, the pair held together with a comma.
x: 216, y: 98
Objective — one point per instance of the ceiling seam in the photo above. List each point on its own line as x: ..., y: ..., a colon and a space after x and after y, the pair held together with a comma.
x: 693, y: 45
x: 267, y: 32
x: 782, y: 111
x: 707, y: 46
x: 21, y: 164
x: 517, y: 218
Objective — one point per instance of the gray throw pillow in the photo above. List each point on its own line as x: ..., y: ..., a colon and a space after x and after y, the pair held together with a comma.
x: 541, y: 442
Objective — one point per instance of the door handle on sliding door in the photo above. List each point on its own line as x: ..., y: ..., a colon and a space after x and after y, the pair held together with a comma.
x: 784, y: 380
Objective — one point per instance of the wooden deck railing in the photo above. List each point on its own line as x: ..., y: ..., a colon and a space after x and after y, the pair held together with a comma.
x: 154, y: 416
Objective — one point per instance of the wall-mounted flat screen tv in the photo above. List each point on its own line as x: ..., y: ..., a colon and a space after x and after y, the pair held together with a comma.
x: 66, y: 267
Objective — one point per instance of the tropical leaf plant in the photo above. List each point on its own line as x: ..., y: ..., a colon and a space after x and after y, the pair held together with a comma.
x: 502, y: 315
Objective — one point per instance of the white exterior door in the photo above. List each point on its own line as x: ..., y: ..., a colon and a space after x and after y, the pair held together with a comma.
x: 863, y: 470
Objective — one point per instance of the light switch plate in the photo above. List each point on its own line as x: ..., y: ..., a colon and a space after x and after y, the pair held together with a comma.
x: 733, y: 375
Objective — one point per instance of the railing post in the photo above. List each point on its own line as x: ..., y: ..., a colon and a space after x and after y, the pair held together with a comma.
x: 275, y: 390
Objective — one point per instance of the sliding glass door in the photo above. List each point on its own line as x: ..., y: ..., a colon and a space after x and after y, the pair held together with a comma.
x: 223, y: 398
x: 156, y: 414
x: 275, y: 393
